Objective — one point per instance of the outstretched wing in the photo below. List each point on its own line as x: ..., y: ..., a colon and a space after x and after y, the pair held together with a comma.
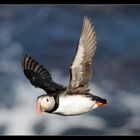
x: 39, y: 76
x: 80, y: 70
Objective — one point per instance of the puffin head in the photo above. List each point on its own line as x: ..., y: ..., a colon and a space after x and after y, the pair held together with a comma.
x: 44, y: 103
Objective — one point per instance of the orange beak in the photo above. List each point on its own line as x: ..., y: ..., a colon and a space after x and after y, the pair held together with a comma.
x: 38, y: 111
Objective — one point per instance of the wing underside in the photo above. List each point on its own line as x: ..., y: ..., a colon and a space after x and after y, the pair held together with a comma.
x: 80, y: 70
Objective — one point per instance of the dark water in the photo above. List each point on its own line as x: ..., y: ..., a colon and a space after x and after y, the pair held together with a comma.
x: 50, y: 34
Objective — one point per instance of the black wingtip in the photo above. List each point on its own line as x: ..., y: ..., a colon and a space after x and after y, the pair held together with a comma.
x: 38, y: 75
x: 24, y: 56
x: 30, y: 64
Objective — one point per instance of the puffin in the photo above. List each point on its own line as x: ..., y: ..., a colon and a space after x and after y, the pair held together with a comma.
x: 74, y: 99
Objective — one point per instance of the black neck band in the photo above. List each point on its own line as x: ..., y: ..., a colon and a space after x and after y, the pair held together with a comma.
x: 56, y: 97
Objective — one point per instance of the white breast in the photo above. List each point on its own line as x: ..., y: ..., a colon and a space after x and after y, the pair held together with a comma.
x: 74, y: 105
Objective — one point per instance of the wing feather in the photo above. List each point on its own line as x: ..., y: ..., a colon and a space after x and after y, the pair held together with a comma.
x: 80, y: 70
x: 39, y: 76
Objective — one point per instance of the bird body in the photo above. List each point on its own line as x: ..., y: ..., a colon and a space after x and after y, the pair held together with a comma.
x: 74, y: 99
x: 74, y: 105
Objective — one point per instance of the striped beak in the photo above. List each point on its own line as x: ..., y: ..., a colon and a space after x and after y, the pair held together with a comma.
x: 38, y: 106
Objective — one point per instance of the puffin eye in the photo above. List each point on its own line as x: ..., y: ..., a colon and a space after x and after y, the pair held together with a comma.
x: 47, y: 100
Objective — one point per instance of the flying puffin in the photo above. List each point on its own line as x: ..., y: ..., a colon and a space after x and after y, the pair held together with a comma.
x: 74, y: 99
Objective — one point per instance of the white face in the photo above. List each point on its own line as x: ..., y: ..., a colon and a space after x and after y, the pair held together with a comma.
x: 47, y: 103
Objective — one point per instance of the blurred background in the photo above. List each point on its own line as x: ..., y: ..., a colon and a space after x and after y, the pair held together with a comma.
x: 50, y: 34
